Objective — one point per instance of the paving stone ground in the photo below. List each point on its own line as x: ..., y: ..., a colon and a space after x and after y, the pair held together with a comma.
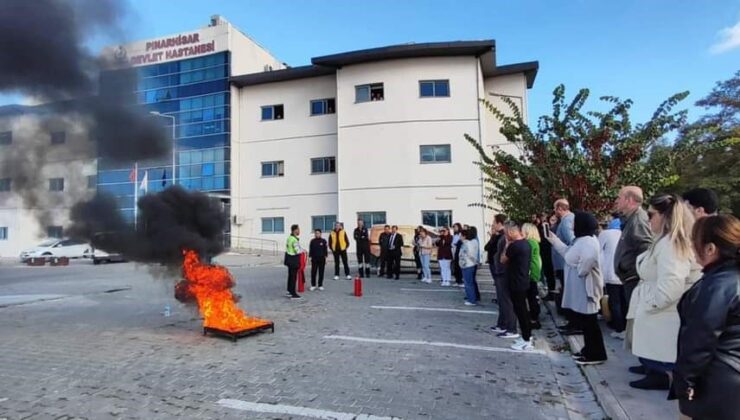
x: 103, y: 349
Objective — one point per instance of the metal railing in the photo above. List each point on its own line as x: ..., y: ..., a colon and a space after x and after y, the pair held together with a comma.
x: 253, y: 245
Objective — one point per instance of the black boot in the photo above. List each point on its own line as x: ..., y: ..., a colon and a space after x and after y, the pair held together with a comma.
x: 653, y: 381
x: 362, y: 272
x: 367, y: 272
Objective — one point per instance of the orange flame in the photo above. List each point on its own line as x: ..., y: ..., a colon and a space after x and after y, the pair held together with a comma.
x: 211, y: 285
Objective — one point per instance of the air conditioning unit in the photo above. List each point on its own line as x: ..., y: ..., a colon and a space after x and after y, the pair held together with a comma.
x: 237, y: 220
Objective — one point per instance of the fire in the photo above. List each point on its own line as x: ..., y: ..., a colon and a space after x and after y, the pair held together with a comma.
x: 210, y: 286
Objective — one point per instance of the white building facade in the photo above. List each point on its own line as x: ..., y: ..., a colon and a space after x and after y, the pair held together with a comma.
x: 373, y: 134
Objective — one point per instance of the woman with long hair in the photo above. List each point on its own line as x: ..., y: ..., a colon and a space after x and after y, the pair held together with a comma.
x: 706, y: 378
x: 424, y: 242
x: 666, y: 271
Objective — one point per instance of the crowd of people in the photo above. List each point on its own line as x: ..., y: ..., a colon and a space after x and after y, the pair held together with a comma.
x: 666, y: 278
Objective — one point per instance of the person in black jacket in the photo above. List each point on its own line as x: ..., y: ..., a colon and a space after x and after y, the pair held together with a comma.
x: 318, y: 249
x: 417, y: 255
x: 362, y: 248
x: 706, y: 378
x: 395, y: 248
x: 383, y: 242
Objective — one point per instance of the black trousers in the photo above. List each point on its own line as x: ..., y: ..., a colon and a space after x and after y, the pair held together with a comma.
x: 533, y: 302
x: 292, y: 277
x: 363, y: 255
x: 617, y: 305
x: 519, y: 299
x: 549, y: 271
x: 382, y: 262
x: 343, y: 255
x: 317, y: 267
x: 394, y: 264
x: 593, y: 342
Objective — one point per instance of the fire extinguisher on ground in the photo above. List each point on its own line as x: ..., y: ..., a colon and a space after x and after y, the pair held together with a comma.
x: 358, y: 286
x: 301, y: 276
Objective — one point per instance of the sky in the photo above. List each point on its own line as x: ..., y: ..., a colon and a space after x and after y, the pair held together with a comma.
x: 645, y: 50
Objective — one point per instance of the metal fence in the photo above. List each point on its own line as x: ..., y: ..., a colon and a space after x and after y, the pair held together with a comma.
x: 253, y: 245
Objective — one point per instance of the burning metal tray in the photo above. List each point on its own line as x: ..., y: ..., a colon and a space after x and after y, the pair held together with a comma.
x: 235, y: 335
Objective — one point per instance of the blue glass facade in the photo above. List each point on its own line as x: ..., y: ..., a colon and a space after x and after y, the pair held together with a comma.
x: 196, y: 93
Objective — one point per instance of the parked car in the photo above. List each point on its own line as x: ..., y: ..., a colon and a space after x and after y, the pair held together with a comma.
x: 99, y: 256
x: 50, y: 248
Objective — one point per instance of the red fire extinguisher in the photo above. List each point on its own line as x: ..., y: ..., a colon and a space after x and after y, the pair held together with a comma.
x: 358, y: 286
x: 301, y: 277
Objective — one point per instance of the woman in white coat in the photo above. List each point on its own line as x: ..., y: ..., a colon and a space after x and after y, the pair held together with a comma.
x: 584, y: 285
x: 667, y: 269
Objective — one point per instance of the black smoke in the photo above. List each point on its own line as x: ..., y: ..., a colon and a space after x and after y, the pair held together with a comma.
x: 168, y: 223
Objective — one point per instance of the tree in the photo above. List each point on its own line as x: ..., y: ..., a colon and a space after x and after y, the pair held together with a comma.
x: 718, y: 133
x: 582, y: 156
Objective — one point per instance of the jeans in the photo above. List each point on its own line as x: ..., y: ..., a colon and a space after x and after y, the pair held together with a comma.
x: 656, y: 366
x: 317, y: 267
x: 343, y: 255
x: 533, y: 301
x: 519, y: 301
x: 617, y: 305
x: 469, y: 286
x: 426, y: 259
x: 506, y: 318
x: 444, y: 271
x: 593, y: 347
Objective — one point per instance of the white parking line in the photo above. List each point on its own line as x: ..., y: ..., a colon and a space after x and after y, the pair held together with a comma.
x: 430, y: 343
x: 417, y: 308
x: 431, y: 290
x: 297, y: 411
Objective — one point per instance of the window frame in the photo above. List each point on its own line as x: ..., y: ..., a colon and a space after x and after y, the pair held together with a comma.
x: 370, y: 87
x: 434, y: 88
x: 279, y: 170
x: 368, y: 223
x: 272, y: 221
x: 325, y: 103
x: 273, y: 111
x: 435, y: 161
x: 436, y: 217
x: 51, y: 183
x: 325, y: 227
x: 325, y: 159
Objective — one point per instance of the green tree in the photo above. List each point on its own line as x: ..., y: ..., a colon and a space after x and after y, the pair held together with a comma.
x: 717, y: 135
x: 585, y: 156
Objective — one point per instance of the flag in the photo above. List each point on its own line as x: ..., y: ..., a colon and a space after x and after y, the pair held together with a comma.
x: 132, y: 175
x: 145, y: 182
x: 164, y: 177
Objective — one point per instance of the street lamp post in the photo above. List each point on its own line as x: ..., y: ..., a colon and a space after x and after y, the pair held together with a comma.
x: 174, y: 143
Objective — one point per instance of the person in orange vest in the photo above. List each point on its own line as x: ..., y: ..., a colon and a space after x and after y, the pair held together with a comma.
x: 338, y: 243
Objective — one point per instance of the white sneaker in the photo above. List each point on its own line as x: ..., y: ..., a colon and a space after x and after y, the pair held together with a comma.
x: 321, y: 287
x: 497, y: 330
x: 445, y: 284
x: 470, y: 303
x: 312, y: 288
x: 336, y: 277
x: 618, y: 335
x: 522, y: 345
x: 427, y: 281
x: 349, y: 277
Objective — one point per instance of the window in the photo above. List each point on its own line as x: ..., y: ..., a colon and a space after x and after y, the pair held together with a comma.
x: 6, y: 137
x: 324, y: 165
x: 208, y: 169
x: 432, y: 88
x: 3, y: 233
x: 323, y: 106
x: 273, y: 168
x: 436, y: 153
x: 272, y: 112
x: 58, y: 137
x: 54, y: 231
x: 273, y: 225
x: 56, y: 184
x: 325, y: 223
x: 372, y: 218
x: 92, y: 181
x: 367, y: 93
x: 436, y: 218
x: 4, y: 184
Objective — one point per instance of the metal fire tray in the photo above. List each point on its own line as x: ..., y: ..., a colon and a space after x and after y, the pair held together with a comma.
x: 235, y: 335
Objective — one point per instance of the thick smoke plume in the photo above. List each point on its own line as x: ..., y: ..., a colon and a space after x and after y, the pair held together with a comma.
x: 168, y: 223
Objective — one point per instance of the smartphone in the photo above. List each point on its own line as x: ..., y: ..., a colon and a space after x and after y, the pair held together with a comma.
x: 546, y: 227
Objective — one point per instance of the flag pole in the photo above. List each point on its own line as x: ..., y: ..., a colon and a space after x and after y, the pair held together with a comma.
x: 136, y: 194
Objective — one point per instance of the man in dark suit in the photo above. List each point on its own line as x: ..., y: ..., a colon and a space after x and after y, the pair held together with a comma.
x: 383, y: 242
x: 395, y: 247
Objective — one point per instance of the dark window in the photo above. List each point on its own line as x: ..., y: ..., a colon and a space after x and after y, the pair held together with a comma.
x: 272, y: 112
x: 6, y: 137
x: 324, y: 165
x: 372, y: 218
x: 432, y: 88
x: 371, y: 92
x: 56, y: 184
x: 323, y: 106
x: 325, y: 223
x: 4, y: 184
x: 275, y: 168
x: 436, y: 218
x: 273, y: 225
x: 58, y: 137
x: 3, y: 233
x: 92, y: 181
x: 436, y: 153
x: 54, y: 231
